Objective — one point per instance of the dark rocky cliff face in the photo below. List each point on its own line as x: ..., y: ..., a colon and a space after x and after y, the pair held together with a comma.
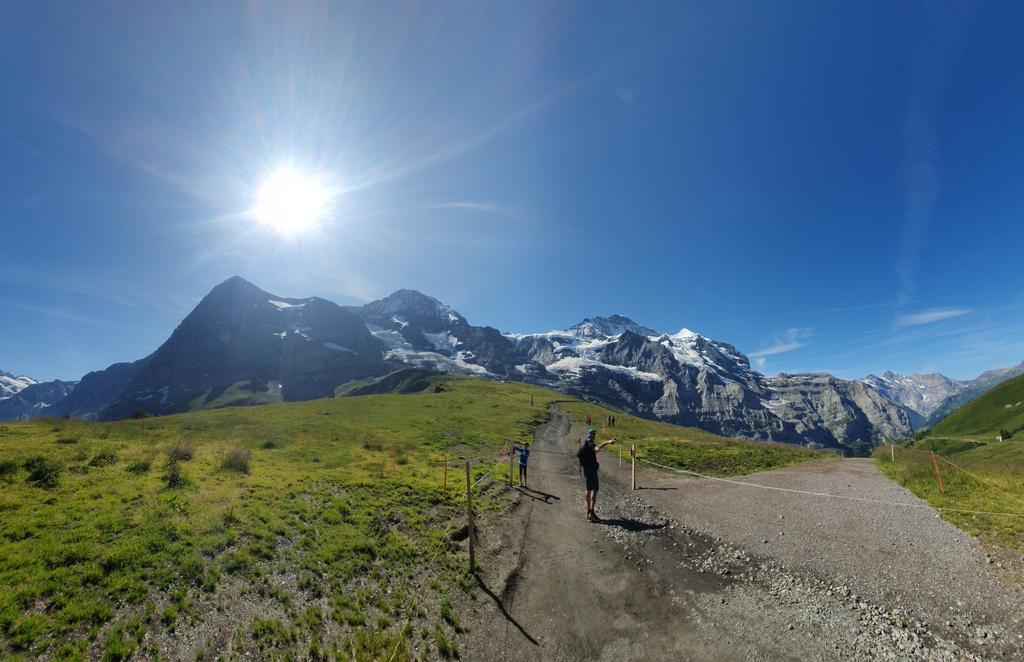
x: 239, y: 340
x: 242, y: 345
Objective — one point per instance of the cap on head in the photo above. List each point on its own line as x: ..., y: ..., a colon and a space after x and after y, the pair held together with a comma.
x: 591, y: 432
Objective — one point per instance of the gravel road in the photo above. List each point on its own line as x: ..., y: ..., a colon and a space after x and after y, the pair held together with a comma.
x: 691, y: 569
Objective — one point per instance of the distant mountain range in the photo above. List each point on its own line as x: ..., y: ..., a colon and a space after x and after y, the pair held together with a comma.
x: 998, y: 412
x: 242, y: 345
x: 930, y: 398
x: 23, y: 397
x: 12, y: 384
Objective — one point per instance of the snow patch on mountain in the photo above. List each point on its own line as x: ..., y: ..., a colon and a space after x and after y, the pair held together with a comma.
x: 922, y: 394
x: 444, y: 343
x: 578, y: 366
x: 397, y: 348
x: 284, y: 305
x: 13, y: 384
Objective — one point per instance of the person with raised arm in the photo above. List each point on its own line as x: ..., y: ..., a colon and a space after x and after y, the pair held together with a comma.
x: 587, y: 455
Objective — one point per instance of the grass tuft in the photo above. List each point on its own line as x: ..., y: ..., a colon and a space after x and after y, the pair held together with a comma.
x: 181, y: 451
x: 173, y: 476
x: 43, y: 472
x: 236, y: 459
x: 103, y: 459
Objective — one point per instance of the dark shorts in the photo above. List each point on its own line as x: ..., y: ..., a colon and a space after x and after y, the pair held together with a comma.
x: 591, y: 476
x: 522, y: 468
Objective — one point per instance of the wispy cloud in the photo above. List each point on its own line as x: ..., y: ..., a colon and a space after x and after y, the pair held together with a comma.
x: 930, y: 316
x: 938, y: 51
x: 57, y: 313
x: 488, y: 207
x: 789, y: 341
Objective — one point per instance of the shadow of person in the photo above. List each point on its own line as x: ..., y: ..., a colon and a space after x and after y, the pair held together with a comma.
x: 501, y: 607
x: 631, y: 524
x: 537, y: 494
x: 657, y: 488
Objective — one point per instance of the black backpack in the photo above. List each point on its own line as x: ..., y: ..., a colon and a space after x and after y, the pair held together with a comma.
x: 587, y: 456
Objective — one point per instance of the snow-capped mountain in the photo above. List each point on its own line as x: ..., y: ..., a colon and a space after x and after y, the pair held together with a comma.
x: 33, y: 400
x: 683, y: 378
x: 12, y: 384
x: 929, y: 398
x: 923, y: 394
x: 242, y: 345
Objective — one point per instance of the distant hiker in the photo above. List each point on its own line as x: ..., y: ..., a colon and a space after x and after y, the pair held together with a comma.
x: 587, y: 455
x: 524, y: 455
x: 613, y: 422
x: 588, y: 419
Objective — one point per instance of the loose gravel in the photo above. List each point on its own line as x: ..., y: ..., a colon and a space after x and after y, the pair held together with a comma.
x: 687, y: 568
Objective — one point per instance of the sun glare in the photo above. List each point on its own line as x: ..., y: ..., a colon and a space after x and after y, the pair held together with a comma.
x: 291, y: 203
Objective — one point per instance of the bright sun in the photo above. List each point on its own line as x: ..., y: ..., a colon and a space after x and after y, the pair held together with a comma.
x: 290, y: 202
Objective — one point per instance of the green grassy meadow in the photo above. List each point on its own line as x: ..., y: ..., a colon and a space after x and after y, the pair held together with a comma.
x: 983, y: 418
x: 319, y: 550
x: 989, y: 474
x: 987, y: 477
x: 687, y: 448
x: 312, y: 530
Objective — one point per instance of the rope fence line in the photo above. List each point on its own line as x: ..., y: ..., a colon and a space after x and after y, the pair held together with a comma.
x: 827, y: 495
x: 508, y: 449
x: 983, y: 481
x: 619, y: 452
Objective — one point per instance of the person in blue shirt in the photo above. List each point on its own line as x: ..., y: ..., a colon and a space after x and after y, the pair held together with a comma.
x: 524, y: 455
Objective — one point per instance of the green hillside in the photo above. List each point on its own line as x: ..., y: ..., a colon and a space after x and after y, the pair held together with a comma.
x: 985, y: 477
x: 1001, y: 408
x: 687, y: 448
x: 309, y: 530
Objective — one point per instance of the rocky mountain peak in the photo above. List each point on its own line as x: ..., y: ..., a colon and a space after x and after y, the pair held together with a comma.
x: 13, y: 384
x: 411, y: 303
x: 607, y: 327
x: 243, y: 345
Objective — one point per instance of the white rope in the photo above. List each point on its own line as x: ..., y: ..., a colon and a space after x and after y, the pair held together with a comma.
x: 827, y: 495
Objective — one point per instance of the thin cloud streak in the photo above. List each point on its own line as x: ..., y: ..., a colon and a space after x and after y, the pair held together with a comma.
x: 57, y: 313
x: 470, y: 206
x: 930, y: 316
x: 789, y: 342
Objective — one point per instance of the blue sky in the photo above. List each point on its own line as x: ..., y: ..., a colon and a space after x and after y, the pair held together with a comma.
x: 829, y: 186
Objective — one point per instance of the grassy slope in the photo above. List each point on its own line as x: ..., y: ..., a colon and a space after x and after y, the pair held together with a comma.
x: 985, y: 416
x: 687, y: 448
x: 326, y: 546
x: 340, y: 492
x: 987, y: 477
x: 989, y: 474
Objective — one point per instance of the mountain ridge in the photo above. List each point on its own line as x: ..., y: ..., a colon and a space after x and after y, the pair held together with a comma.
x: 243, y: 345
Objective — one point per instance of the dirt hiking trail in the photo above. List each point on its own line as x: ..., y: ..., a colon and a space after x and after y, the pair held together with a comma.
x: 687, y: 569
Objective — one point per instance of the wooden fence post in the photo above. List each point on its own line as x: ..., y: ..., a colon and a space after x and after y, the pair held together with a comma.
x: 632, y: 455
x: 892, y: 449
x: 446, y: 476
x: 469, y: 518
x: 938, y: 474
